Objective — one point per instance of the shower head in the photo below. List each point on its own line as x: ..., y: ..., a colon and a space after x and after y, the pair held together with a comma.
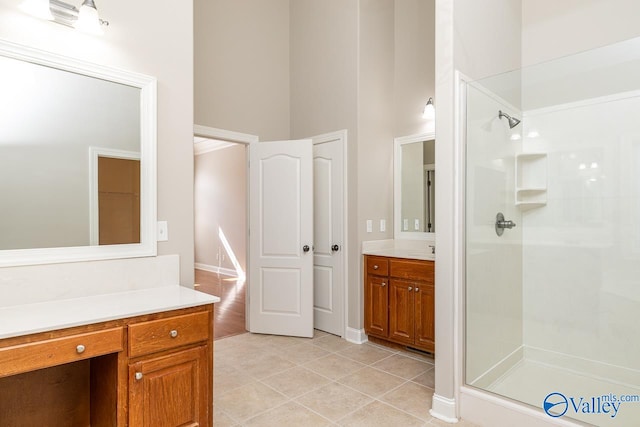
x: 513, y: 122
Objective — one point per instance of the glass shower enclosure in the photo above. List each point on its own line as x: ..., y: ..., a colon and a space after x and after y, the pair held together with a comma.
x: 552, y: 280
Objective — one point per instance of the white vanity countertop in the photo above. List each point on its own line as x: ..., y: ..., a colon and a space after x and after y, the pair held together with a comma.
x: 410, y: 249
x: 27, y: 319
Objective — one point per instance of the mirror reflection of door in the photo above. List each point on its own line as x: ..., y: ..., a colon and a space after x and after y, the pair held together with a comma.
x: 118, y: 200
x: 429, y: 198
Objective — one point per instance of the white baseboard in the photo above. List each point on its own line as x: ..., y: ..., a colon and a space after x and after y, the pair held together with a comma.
x: 216, y: 269
x: 444, y: 409
x: 356, y: 336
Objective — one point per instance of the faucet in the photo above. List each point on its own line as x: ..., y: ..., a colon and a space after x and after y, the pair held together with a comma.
x: 433, y: 249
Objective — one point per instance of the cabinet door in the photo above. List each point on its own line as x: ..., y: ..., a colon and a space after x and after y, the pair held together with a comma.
x: 401, y: 311
x: 425, y: 317
x: 376, y: 306
x: 170, y: 390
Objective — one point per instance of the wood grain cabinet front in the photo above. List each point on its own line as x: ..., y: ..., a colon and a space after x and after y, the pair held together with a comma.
x: 170, y: 379
x: 170, y: 390
x: 402, y: 311
x: 149, y: 370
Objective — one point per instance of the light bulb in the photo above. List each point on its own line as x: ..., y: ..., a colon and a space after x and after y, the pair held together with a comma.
x: 88, y: 19
x: 429, y: 112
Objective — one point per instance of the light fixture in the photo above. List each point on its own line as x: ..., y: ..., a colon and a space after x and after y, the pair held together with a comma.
x: 86, y: 19
x: 429, y: 112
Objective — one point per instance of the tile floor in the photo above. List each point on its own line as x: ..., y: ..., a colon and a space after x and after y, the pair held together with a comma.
x: 267, y: 380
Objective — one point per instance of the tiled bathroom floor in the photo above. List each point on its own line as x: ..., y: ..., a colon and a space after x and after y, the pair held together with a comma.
x: 266, y: 380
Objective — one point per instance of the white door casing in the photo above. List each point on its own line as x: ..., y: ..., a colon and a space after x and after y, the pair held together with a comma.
x: 280, y: 230
x: 328, y: 257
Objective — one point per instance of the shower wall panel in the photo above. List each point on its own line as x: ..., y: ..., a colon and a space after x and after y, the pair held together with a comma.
x: 581, y: 252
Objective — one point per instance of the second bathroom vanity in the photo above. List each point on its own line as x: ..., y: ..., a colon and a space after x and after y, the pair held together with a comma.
x: 399, y: 297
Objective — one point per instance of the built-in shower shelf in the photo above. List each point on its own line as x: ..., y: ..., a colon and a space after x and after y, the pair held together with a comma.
x: 531, y: 180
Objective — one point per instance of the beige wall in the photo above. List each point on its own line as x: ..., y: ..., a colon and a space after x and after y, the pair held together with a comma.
x: 343, y: 73
x: 154, y: 38
x: 551, y: 28
x: 220, y: 192
x: 242, y: 66
x: 414, y: 64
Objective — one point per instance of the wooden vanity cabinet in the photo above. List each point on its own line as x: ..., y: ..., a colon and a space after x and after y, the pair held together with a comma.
x: 399, y: 301
x: 151, y: 370
x: 169, y: 377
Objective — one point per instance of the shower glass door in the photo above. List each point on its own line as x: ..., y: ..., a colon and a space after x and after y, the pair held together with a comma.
x: 552, y: 281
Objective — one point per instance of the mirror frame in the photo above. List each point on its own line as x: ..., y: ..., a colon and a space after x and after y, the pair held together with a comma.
x: 397, y: 186
x: 148, y: 154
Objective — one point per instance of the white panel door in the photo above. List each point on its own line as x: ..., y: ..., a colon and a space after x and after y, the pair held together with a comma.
x: 328, y: 257
x: 281, y: 238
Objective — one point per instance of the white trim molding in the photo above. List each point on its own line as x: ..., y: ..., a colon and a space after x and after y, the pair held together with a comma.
x: 224, y: 135
x: 444, y: 409
x: 356, y: 336
x: 215, y: 269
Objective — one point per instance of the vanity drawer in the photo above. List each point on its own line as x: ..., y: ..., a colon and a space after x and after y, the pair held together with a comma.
x: 409, y: 269
x: 58, y: 351
x: 163, y: 334
x: 377, y: 265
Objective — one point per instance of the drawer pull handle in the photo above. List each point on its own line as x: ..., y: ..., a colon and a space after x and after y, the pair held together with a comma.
x: 383, y: 284
x: 80, y: 349
x: 173, y: 333
x: 138, y: 376
x: 417, y: 289
x: 375, y: 267
x: 410, y: 288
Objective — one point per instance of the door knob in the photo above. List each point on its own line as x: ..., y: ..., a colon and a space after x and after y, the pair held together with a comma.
x: 335, y: 248
x: 305, y: 248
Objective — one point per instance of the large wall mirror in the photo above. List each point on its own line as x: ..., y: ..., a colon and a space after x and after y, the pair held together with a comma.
x: 77, y: 160
x: 414, y: 187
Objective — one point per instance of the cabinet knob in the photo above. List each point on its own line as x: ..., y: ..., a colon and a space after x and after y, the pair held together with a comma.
x: 173, y: 333
x: 417, y: 289
x: 375, y: 267
x: 383, y: 284
x: 138, y: 376
x: 80, y: 349
x: 410, y: 288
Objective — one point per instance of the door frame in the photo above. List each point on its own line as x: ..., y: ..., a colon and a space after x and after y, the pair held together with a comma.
x: 248, y: 139
x: 94, y: 154
x: 245, y: 139
x: 342, y: 136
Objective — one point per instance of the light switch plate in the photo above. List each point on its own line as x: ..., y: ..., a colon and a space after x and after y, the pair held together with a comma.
x: 369, y: 226
x: 405, y: 225
x: 416, y: 224
x: 383, y: 225
x: 163, y: 231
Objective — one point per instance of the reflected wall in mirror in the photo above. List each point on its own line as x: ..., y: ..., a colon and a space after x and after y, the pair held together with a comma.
x: 414, y: 187
x: 77, y: 159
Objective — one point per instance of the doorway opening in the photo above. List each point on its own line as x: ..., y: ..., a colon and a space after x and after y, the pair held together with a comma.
x: 220, y: 206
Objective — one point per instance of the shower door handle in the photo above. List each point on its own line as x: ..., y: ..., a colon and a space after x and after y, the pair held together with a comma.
x: 501, y: 224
